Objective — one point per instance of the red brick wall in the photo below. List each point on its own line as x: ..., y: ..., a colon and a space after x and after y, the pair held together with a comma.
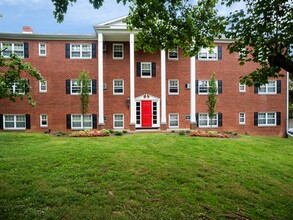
x: 55, y: 68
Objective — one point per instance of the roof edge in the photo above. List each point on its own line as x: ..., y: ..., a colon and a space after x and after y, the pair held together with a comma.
x: 22, y: 36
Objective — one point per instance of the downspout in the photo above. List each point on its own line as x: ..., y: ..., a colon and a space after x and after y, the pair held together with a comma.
x: 287, y: 107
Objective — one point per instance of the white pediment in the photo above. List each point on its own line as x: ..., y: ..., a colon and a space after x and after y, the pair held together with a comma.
x: 147, y: 97
x: 116, y: 23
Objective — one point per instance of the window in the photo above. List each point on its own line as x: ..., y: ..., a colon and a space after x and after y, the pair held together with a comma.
x: 117, y: 51
x: 242, y: 87
x: 205, y: 121
x: 10, y: 48
x: 146, y: 70
x: 173, y: 87
x: 17, y: 89
x: 174, y: 120
x: 42, y: 49
x: 269, y: 88
x: 14, y: 121
x: 118, y: 121
x: 118, y: 87
x: 43, y: 86
x: 266, y: 118
x: 242, y: 118
x: 208, y: 54
x: 81, y: 121
x: 203, y: 86
x: 173, y: 54
x: 43, y: 121
x: 79, y: 51
x: 75, y: 89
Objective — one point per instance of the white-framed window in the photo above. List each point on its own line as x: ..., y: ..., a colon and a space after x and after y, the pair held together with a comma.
x: 203, y: 86
x: 80, y: 51
x: 75, y: 89
x: 43, y: 85
x: 173, y: 54
x: 14, y: 122
x: 173, y: 87
x: 174, y: 120
x: 118, y: 52
x: 42, y: 49
x: 208, y: 54
x: 79, y: 121
x: 146, y: 70
x: 118, y: 121
x: 43, y: 120
x: 242, y: 118
x: 269, y: 88
x: 242, y: 87
x: 9, y: 48
x: 16, y: 89
x: 118, y: 87
x: 205, y: 121
x: 267, y: 119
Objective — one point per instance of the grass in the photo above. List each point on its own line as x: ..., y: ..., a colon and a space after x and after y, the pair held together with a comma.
x: 145, y: 176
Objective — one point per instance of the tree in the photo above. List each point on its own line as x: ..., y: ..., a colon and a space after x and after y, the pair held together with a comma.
x: 12, y: 85
x: 212, y: 97
x: 84, y: 81
x: 167, y: 24
x: 263, y: 33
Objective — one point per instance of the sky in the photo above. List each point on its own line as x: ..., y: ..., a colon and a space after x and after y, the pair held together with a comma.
x: 79, y: 19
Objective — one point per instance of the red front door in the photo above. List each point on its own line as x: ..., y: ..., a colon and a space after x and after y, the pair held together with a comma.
x: 146, y: 113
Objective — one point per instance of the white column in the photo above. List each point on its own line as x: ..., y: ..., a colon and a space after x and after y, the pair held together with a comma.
x: 192, y: 90
x: 100, y: 79
x: 163, y: 87
x: 132, y: 87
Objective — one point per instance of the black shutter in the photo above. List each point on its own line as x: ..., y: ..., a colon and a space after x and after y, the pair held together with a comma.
x: 94, y: 86
x: 67, y: 50
x: 220, y: 86
x: 94, y: 50
x: 1, y: 121
x: 26, y: 50
x: 68, y: 121
x: 68, y: 86
x: 219, y: 52
x: 196, y: 118
x: 138, y: 69
x: 196, y: 86
x: 279, y: 86
x: 255, y: 118
x: 255, y: 90
x: 278, y: 118
x: 153, y: 69
x: 220, y: 119
x: 28, y: 121
x: 27, y: 87
x: 94, y: 120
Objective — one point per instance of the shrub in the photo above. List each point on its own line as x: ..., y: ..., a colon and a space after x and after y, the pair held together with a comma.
x: 125, y: 131
x: 182, y: 132
x: 118, y: 133
x: 60, y: 133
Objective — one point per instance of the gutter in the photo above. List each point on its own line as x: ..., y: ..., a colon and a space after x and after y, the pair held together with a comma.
x: 287, y: 110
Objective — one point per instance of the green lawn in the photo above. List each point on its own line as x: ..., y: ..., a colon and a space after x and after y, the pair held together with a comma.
x: 145, y: 176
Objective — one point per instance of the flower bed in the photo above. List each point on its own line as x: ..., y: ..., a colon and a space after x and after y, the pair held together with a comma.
x: 225, y: 134
x: 90, y: 133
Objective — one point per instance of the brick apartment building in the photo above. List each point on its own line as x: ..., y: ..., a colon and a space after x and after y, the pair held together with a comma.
x: 135, y: 90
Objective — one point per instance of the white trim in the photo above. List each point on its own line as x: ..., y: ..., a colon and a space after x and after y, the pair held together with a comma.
x: 113, y: 51
x: 75, y: 80
x: 115, y: 93
x: 266, y: 119
x: 206, y: 50
x: 118, y: 114
x: 45, y: 49
x: 192, y: 90
x: 169, y: 87
x: 132, y: 81
x: 40, y: 86
x: 163, y: 86
x: 244, y: 88
x: 178, y: 119
x: 80, y: 57
x: 266, y: 87
x: 243, y: 117
x: 81, y: 122
x: 41, y: 119
x: 175, y: 50
x: 14, y: 122
x: 146, y: 63
x: 100, y: 78
x: 13, y: 50
x: 208, y: 85
x: 208, y: 120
